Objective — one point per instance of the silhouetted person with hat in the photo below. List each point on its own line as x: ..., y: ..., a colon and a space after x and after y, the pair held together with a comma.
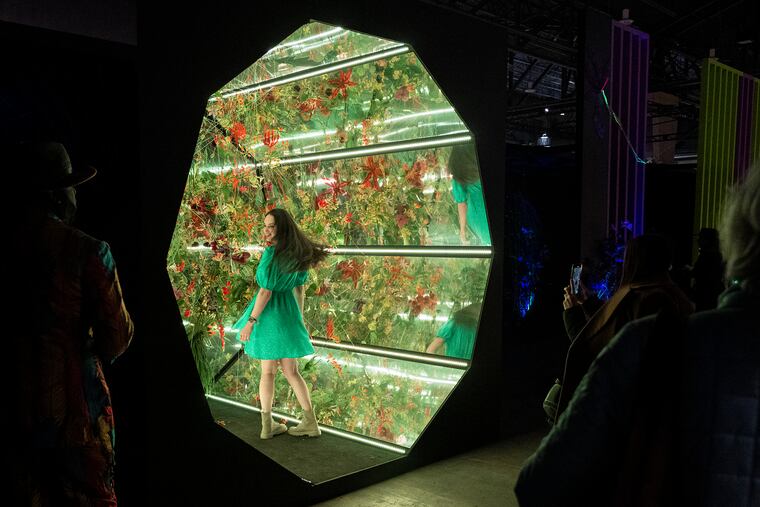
x: 68, y: 303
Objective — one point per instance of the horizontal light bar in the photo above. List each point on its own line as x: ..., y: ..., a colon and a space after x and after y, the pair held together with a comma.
x: 389, y: 147
x: 439, y: 318
x: 326, y: 429
x: 316, y: 72
x: 388, y: 371
x: 472, y: 252
x: 469, y: 252
x: 430, y: 112
x: 373, y: 150
x: 442, y: 361
x: 381, y: 251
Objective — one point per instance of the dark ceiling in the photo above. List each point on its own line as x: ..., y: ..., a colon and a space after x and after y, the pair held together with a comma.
x: 543, y: 38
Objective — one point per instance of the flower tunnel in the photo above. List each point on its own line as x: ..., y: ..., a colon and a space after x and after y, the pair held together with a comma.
x: 351, y: 135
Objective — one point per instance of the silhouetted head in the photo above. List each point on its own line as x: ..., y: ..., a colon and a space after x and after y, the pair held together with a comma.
x: 43, y: 173
x: 740, y: 231
x: 646, y: 256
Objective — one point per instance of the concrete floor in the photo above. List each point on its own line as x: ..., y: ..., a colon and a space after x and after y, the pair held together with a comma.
x: 482, y: 477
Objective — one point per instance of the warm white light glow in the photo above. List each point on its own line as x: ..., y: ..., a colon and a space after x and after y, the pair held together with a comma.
x: 392, y: 353
x: 317, y: 72
x: 278, y: 416
x: 423, y: 317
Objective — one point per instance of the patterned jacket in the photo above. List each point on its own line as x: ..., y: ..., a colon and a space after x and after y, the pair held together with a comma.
x: 74, y: 319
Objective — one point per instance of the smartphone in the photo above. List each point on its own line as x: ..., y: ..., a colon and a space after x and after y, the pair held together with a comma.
x: 575, y: 278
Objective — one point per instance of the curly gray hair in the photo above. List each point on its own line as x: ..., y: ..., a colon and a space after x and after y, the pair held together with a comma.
x: 740, y: 230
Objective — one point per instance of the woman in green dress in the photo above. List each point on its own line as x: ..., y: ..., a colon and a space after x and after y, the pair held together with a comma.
x: 272, y: 326
x: 457, y: 336
x: 468, y: 194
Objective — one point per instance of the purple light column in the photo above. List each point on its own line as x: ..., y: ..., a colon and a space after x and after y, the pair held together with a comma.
x: 629, y: 87
x: 744, y: 113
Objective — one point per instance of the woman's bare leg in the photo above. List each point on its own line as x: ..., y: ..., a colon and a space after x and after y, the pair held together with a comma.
x: 266, y: 383
x: 296, y: 381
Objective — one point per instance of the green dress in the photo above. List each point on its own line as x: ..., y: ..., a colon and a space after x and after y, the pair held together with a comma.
x: 472, y: 194
x: 280, y: 331
x: 459, y: 339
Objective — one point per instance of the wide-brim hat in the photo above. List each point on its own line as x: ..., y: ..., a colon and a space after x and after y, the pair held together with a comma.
x: 46, y: 166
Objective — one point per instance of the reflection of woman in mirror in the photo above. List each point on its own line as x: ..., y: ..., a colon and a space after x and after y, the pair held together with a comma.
x: 468, y: 194
x: 272, y: 326
x: 457, y: 336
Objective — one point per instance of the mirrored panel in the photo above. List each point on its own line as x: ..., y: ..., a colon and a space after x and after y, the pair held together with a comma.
x: 387, y: 399
x: 422, y: 197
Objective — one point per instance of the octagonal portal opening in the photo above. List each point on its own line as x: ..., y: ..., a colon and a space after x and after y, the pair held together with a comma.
x: 351, y: 135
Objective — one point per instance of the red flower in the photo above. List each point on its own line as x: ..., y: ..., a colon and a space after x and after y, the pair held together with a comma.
x: 188, y: 313
x: 413, y: 175
x: 241, y: 257
x: 181, y: 267
x: 271, y: 137
x: 337, y: 187
x: 397, y: 268
x: 322, y: 289
x: 351, y: 270
x: 320, y: 201
x: 403, y: 92
x: 348, y: 218
x: 375, y: 169
x: 190, y: 287
x: 226, y: 291
x: 237, y: 132
x: 308, y: 106
x: 401, y: 217
x: 341, y: 84
x: 423, y: 301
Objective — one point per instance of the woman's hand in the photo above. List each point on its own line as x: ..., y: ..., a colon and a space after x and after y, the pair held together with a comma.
x: 245, y: 333
x: 463, y: 238
x: 571, y: 299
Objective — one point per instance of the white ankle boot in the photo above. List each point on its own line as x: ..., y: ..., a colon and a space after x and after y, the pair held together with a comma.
x: 269, y: 428
x: 308, y: 425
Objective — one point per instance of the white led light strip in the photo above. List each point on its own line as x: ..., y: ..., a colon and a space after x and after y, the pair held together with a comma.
x: 391, y: 353
x: 337, y: 29
x: 360, y: 152
x: 326, y: 429
x: 481, y: 252
x: 356, y: 152
x: 474, y: 252
x: 317, y: 72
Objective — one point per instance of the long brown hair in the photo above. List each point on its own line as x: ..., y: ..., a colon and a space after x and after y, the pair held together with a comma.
x: 463, y: 164
x: 646, y: 256
x: 294, y: 251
